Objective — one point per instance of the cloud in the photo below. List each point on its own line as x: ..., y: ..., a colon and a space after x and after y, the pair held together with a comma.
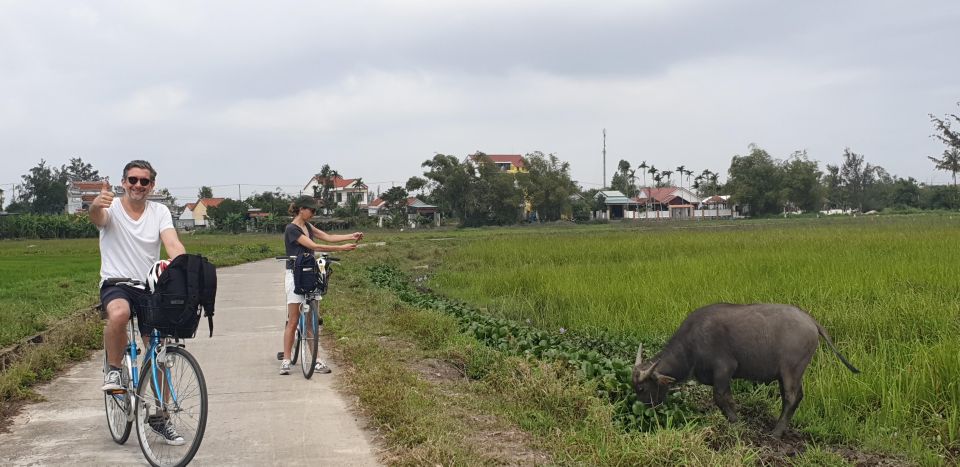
x: 153, y: 105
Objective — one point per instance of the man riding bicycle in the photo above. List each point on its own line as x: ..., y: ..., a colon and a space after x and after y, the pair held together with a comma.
x: 131, y: 231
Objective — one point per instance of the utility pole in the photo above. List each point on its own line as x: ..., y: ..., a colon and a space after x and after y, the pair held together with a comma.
x: 604, y: 184
x: 239, y: 196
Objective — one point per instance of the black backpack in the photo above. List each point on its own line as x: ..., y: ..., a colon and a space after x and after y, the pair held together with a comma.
x: 306, y: 274
x: 187, y: 284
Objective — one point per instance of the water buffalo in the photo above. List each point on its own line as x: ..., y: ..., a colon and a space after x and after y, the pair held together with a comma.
x: 716, y: 343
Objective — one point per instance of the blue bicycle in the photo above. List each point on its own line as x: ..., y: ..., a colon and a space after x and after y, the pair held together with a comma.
x: 306, y: 338
x: 169, y: 388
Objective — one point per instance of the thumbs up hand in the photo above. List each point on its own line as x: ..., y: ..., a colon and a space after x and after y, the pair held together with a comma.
x: 105, y: 198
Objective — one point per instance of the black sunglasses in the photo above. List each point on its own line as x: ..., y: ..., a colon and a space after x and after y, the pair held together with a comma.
x: 143, y: 181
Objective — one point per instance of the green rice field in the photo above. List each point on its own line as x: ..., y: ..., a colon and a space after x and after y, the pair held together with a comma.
x: 886, y: 288
x: 42, y: 281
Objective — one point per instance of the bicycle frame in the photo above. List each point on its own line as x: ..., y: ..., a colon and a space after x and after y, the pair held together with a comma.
x: 157, y: 346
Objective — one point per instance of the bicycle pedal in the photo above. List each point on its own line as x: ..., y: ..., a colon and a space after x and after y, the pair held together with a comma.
x: 116, y: 392
x: 279, y: 355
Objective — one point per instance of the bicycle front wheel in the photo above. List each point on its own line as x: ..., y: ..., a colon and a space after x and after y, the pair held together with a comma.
x: 295, y: 351
x: 118, y: 405
x: 171, y: 409
x: 309, y: 340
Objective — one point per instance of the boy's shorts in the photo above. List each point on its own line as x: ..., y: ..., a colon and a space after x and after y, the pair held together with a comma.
x: 132, y: 295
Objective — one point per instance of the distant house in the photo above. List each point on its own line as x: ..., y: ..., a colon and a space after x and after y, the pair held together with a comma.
x: 718, y: 206
x: 615, y: 205
x: 510, y: 163
x: 668, y: 202
x: 415, y: 208
x: 80, y: 195
x: 344, y: 189
x: 200, y: 218
x: 186, y: 220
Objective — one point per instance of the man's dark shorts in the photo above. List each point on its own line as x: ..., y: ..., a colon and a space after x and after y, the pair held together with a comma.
x: 132, y: 295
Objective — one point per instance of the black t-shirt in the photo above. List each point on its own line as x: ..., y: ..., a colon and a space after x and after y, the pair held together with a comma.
x: 290, y: 236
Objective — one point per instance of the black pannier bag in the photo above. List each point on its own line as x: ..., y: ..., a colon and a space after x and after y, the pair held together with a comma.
x: 306, y: 274
x: 188, y: 284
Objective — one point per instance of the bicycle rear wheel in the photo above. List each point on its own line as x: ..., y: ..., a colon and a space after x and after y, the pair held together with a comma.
x: 118, y: 406
x: 309, y: 340
x: 182, y: 402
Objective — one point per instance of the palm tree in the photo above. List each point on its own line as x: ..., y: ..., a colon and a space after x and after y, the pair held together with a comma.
x: 680, y: 170
x: 657, y: 177
x: 643, y: 168
x: 949, y: 163
x: 688, y: 173
x: 668, y: 173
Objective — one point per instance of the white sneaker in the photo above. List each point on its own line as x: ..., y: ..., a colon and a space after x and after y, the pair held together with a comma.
x: 285, y: 367
x: 111, y: 381
x: 321, y: 368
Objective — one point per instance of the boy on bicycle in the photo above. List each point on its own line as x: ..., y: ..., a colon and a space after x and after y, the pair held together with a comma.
x: 131, y: 231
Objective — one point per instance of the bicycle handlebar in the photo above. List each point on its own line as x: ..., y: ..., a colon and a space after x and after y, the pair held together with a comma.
x: 122, y: 280
x: 323, y: 256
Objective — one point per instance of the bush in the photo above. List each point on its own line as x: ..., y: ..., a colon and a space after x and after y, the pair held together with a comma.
x: 47, y: 226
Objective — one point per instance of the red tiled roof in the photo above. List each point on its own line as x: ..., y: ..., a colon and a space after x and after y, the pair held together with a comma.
x: 211, y: 202
x: 715, y: 199
x: 515, y: 160
x: 190, y: 206
x: 87, y: 186
x: 338, y: 181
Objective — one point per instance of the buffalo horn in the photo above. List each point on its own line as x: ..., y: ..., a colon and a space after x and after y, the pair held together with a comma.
x: 645, y: 374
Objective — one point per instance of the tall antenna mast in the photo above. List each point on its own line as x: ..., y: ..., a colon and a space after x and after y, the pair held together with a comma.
x: 604, y: 184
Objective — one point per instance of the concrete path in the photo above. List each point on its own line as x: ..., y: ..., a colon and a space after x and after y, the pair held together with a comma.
x: 256, y: 416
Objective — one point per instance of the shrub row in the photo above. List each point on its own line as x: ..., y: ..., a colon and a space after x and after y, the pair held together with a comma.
x: 46, y: 226
x: 605, y: 361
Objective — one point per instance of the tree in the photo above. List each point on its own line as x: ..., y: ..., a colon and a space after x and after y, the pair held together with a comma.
x: 493, y: 198
x: 905, y: 193
x: 621, y: 179
x: 950, y: 162
x: 78, y: 171
x: 229, y: 215
x: 415, y: 184
x: 273, y: 202
x: 667, y: 174
x: 547, y: 184
x: 326, y: 186
x: 947, y: 135
x: 395, y: 200
x: 855, y: 176
x: 643, y: 170
x: 833, y: 186
x: 754, y: 181
x: 450, y: 182
x: 801, y: 182
x: 43, y: 190
x: 205, y: 192
x: 166, y: 194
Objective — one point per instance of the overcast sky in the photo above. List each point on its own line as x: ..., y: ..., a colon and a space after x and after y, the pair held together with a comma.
x: 262, y: 94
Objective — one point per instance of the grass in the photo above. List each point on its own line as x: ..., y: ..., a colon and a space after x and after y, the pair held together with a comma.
x: 885, y: 287
x: 882, y: 286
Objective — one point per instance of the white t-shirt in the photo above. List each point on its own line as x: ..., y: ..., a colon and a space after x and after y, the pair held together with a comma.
x: 128, y: 248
